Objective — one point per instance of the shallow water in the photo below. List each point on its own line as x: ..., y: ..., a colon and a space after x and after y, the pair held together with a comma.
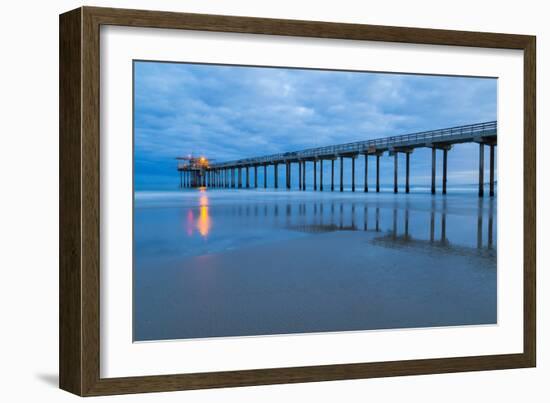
x: 215, y: 263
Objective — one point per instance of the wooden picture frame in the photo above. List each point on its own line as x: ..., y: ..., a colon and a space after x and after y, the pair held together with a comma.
x: 80, y: 187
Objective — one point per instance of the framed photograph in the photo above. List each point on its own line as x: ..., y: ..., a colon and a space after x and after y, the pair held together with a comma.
x: 248, y: 201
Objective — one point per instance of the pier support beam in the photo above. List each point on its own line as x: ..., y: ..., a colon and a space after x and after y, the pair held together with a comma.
x: 276, y: 174
x: 395, y: 161
x: 481, y: 169
x: 304, y: 176
x: 321, y: 175
x: 377, y: 173
x: 240, y: 178
x: 353, y: 173
x: 433, y: 170
x: 289, y: 175
x: 407, y: 171
x: 233, y: 178
x: 492, y: 170
x: 444, y: 183
x: 300, y: 175
x: 315, y: 187
x: 287, y: 185
x: 341, y: 174
x: 255, y: 176
x: 332, y: 175
x: 265, y: 176
x: 366, y: 173
x: 247, y: 177
x: 181, y: 179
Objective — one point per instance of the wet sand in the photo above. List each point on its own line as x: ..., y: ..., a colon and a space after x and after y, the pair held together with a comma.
x: 327, y: 280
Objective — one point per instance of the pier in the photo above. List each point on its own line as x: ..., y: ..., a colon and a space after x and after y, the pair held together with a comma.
x: 198, y: 172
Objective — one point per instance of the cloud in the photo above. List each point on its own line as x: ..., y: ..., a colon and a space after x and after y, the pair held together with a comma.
x: 231, y: 112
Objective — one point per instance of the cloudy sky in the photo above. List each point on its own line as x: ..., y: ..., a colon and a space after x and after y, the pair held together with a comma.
x: 232, y: 112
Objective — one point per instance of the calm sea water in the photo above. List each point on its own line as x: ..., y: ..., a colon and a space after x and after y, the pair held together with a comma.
x: 218, y: 263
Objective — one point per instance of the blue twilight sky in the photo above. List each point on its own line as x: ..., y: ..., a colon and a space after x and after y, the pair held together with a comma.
x: 232, y: 112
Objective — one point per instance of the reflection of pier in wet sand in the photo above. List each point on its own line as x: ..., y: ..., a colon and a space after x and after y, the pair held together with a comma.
x: 322, y: 217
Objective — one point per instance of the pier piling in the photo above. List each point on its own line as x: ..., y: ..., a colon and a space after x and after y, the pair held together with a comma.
x: 332, y: 175
x: 395, y: 155
x: 314, y: 174
x: 353, y: 173
x: 377, y: 173
x: 444, y: 179
x: 321, y: 175
x: 492, y: 170
x: 304, y: 176
x: 407, y: 171
x: 366, y: 172
x: 300, y: 175
x: 433, y: 170
x: 481, y: 169
x: 289, y: 175
x: 341, y: 174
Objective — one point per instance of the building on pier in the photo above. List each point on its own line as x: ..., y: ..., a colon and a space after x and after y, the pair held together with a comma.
x: 193, y: 171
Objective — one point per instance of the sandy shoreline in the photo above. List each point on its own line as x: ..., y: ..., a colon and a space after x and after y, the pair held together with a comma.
x: 333, y: 281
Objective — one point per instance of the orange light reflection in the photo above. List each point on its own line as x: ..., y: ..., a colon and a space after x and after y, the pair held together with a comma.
x: 204, y: 223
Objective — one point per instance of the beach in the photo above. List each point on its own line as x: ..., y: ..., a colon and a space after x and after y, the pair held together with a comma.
x: 224, y: 263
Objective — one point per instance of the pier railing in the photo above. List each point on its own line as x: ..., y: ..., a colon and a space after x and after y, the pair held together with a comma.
x: 466, y: 133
